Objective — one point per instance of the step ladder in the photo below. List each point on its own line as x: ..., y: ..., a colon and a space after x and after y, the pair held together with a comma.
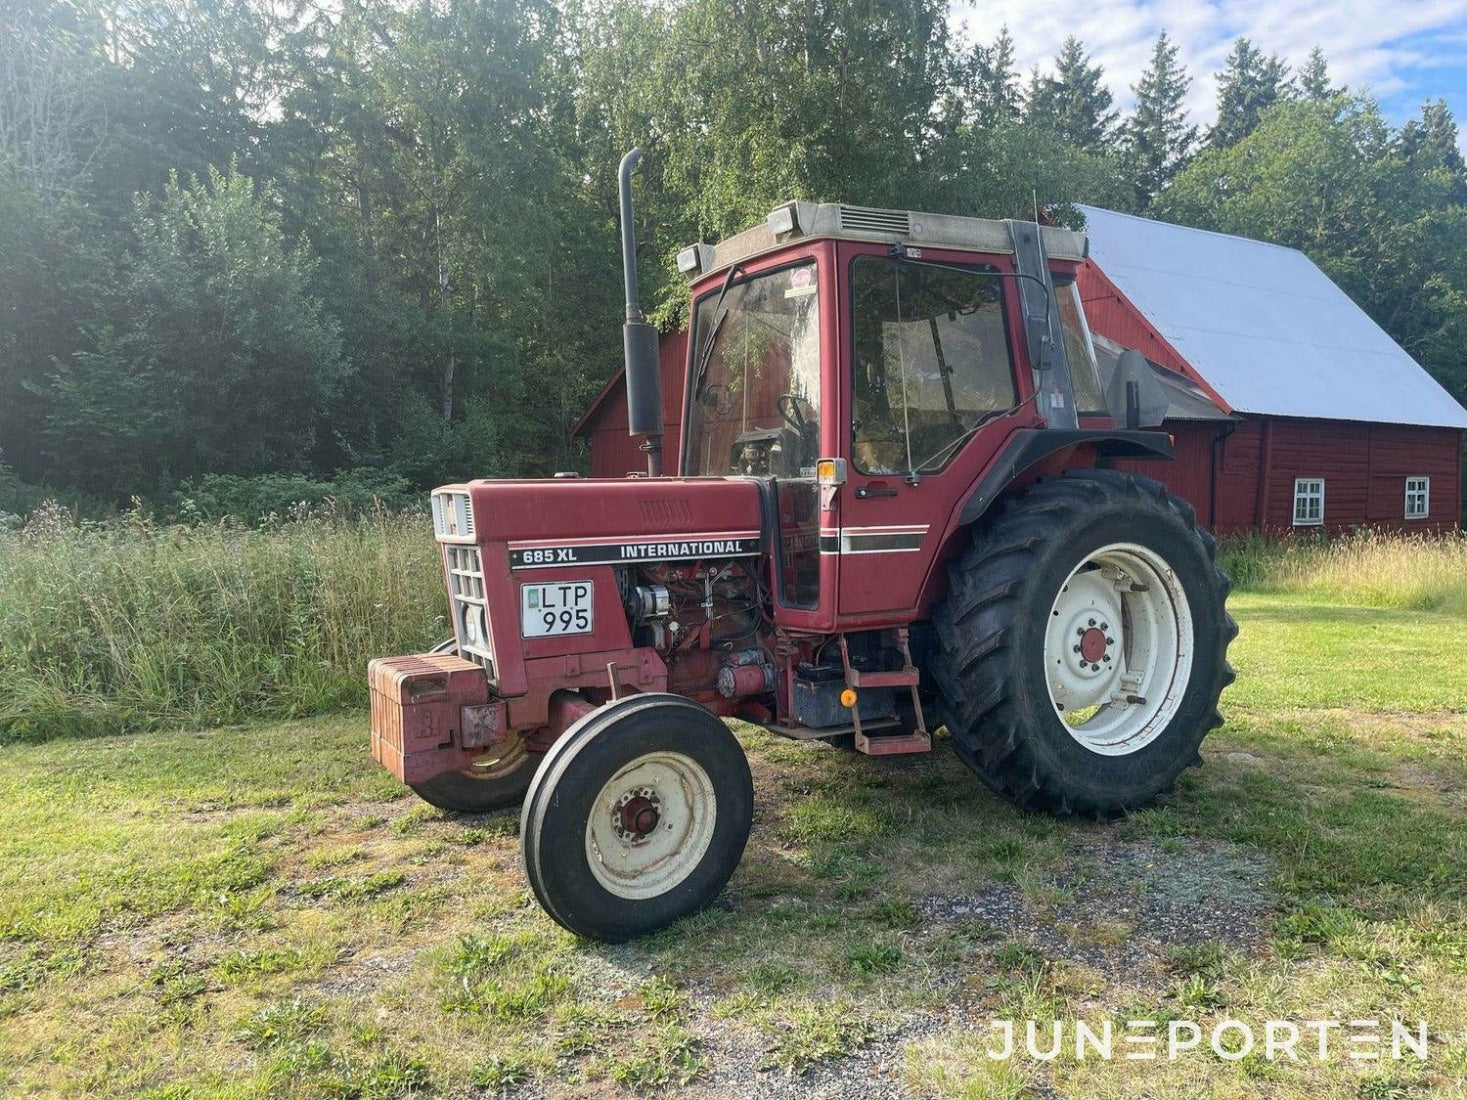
x: 886, y: 744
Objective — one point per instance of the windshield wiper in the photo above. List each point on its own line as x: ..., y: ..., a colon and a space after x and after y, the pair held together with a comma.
x: 706, y: 351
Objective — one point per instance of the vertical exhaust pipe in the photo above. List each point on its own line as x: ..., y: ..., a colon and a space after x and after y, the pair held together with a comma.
x: 639, y: 339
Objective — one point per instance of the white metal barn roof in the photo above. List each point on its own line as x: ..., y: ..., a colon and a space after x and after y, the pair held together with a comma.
x: 1266, y: 328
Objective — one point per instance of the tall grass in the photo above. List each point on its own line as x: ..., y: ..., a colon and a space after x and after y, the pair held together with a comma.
x: 134, y: 625
x: 1413, y: 572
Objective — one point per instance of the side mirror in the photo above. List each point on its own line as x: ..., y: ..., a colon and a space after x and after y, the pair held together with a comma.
x: 1135, y: 397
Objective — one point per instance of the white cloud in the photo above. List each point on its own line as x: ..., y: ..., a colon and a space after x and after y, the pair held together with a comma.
x: 1409, y: 46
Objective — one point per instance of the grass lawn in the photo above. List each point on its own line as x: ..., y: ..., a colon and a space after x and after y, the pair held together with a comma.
x: 260, y: 911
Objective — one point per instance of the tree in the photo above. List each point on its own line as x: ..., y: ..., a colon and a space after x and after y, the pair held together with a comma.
x: 1158, y: 139
x: 1074, y: 103
x: 1429, y: 144
x: 996, y: 99
x: 1314, y: 79
x: 217, y: 358
x: 1248, y: 85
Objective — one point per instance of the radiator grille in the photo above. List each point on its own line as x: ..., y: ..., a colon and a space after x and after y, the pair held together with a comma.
x: 862, y: 219
x: 466, y: 598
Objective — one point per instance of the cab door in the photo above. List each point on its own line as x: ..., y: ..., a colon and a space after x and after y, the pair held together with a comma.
x: 931, y: 394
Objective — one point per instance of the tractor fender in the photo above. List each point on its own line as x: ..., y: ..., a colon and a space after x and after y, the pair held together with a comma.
x: 1026, y: 449
x: 1030, y: 446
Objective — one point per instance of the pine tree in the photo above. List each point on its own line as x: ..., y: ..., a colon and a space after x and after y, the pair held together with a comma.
x: 1429, y: 144
x: 996, y: 82
x: 1158, y: 138
x: 1249, y: 84
x: 1314, y: 79
x: 1074, y: 102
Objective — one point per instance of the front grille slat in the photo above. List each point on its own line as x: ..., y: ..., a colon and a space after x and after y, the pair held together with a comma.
x: 466, y: 587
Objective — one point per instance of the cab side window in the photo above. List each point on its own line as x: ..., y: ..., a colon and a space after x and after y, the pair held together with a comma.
x: 930, y: 361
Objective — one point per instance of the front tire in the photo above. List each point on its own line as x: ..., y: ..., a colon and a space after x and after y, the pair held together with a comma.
x: 495, y: 781
x: 637, y: 817
x: 1083, y: 644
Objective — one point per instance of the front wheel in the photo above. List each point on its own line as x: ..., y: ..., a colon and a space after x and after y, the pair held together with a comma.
x: 1083, y: 644
x: 637, y: 817
x: 495, y: 780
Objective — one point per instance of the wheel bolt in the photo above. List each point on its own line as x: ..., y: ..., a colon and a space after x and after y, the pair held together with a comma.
x: 1106, y: 657
x: 1092, y: 622
x: 1077, y: 649
x: 1110, y: 641
x: 1080, y: 632
x: 1103, y: 626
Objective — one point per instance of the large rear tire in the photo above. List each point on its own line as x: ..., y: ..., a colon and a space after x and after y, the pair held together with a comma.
x: 637, y: 817
x: 1083, y: 644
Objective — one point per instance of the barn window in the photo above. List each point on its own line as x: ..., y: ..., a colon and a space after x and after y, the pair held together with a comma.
x: 1418, y: 497
x: 1308, y: 501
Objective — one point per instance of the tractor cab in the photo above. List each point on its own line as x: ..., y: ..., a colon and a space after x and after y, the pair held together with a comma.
x: 869, y: 364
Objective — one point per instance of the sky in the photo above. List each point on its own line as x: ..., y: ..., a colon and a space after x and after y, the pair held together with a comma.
x: 1404, y: 51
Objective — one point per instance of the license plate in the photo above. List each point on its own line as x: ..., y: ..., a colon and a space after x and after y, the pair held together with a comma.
x: 560, y: 608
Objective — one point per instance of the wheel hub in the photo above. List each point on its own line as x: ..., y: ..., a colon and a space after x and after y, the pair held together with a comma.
x: 1117, y: 648
x: 1093, y: 645
x: 638, y: 816
x: 652, y: 824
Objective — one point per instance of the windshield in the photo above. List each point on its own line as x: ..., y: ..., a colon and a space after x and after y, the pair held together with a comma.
x: 755, y: 407
x: 1084, y: 375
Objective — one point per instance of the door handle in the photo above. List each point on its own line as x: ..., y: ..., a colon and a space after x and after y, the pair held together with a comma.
x: 866, y: 491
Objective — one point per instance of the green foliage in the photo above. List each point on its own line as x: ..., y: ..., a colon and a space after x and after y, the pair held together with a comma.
x: 1249, y: 84
x: 1158, y: 138
x: 265, y: 497
x: 219, y: 358
x: 242, y: 240
x: 1074, y: 103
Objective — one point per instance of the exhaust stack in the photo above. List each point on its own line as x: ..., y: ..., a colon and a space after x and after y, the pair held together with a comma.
x: 639, y: 339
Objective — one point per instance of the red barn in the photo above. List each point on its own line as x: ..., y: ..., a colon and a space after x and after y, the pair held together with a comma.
x: 1290, y: 408
x: 1333, y: 424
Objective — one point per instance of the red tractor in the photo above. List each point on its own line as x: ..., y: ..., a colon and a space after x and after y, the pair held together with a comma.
x: 892, y: 511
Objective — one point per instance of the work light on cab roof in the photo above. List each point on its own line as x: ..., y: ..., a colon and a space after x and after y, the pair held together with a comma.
x: 893, y: 517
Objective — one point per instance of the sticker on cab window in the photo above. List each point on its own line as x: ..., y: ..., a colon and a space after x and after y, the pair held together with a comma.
x: 802, y: 282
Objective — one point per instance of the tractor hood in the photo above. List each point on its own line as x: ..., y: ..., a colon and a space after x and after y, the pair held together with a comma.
x: 591, y: 521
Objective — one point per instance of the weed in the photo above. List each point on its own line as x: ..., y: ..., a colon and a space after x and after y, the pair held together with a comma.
x: 352, y: 889
x: 282, y: 1025
x: 667, y: 1056
x: 873, y: 958
x: 808, y: 1033
x: 206, y: 625
x: 501, y: 1072
x: 772, y: 977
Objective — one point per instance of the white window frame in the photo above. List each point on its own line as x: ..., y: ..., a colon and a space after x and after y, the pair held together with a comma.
x: 1308, y: 490
x: 1422, y: 490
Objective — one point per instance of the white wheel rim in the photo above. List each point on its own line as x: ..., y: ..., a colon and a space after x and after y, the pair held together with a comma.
x: 1118, y: 649
x: 671, y: 795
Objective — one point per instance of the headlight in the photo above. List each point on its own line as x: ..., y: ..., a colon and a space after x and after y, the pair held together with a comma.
x: 474, y: 633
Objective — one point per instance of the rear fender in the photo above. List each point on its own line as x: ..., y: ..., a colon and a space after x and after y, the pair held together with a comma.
x: 1032, y: 453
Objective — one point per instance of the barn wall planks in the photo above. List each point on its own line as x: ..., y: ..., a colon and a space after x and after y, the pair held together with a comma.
x: 613, y: 452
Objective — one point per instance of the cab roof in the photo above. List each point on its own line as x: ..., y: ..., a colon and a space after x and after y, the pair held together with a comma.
x: 794, y: 221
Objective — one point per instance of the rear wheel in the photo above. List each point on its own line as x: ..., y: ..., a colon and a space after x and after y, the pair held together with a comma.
x: 637, y: 817
x: 1083, y: 644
